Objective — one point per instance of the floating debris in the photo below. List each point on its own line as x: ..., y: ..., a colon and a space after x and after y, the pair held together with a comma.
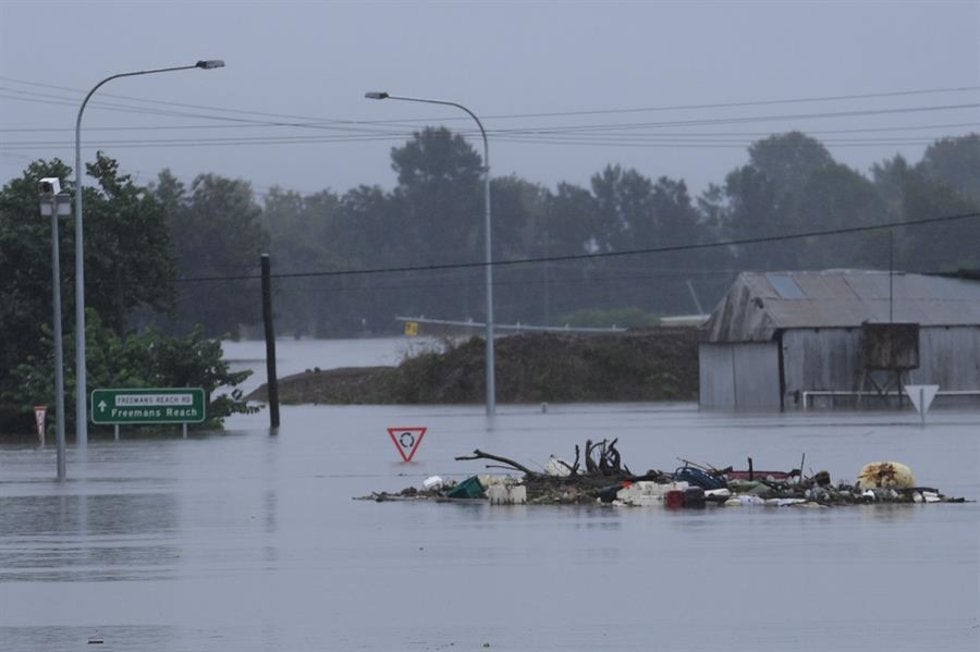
x: 879, y: 475
x: 606, y: 480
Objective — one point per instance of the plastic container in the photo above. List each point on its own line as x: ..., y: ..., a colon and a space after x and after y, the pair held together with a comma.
x: 432, y: 482
x: 468, y: 488
x: 694, y: 497
x: 699, y: 478
x: 674, y: 499
x: 500, y: 494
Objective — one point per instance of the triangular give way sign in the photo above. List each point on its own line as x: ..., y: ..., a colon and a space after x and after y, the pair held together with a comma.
x: 921, y: 396
x: 407, y: 440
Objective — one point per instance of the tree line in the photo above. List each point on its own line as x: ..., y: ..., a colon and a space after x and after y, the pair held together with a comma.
x: 560, y: 254
x: 168, y: 257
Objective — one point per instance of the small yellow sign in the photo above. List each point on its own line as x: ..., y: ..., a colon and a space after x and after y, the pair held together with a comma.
x: 411, y: 328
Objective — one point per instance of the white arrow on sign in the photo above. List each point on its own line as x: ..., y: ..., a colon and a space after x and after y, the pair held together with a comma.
x: 102, y: 406
x: 921, y: 396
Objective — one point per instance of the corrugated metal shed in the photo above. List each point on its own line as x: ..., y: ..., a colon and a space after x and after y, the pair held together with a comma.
x: 760, y: 303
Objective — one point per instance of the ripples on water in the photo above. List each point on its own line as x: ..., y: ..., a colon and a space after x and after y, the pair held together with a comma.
x: 242, y: 541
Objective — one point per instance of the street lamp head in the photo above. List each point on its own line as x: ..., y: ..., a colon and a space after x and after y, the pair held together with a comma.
x: 376, y: 96
x: 208, y: 64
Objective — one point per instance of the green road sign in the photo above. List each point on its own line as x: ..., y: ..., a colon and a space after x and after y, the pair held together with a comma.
x: 136, y: 406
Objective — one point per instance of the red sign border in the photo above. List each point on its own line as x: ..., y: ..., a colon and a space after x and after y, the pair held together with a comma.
x: 421, y: 430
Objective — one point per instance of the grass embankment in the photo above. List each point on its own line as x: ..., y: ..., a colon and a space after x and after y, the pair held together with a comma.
x: 649, y: 365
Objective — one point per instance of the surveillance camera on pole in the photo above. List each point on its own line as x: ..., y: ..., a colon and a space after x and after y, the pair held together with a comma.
x: 54, y: 203
x: 48, y: 187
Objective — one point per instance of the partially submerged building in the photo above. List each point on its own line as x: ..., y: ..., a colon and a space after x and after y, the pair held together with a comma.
x: 782, y: 340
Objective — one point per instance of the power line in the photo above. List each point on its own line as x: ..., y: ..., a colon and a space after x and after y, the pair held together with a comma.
x: 315, y: 120
x: 601, y: 255
x: 708, y: 134
x: 576, y: 134
x: 369, y: 128
x: 549, y: 114
x: 729, y: 105
x: 308, y: 123
x: 732, y: 120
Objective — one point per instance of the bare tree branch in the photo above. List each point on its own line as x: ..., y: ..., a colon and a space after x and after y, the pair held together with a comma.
x: 480, y: 455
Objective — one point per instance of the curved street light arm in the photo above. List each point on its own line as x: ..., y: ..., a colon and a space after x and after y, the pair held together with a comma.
x: 483, y: 133
x: 81, y: 392
x: 488, y: 266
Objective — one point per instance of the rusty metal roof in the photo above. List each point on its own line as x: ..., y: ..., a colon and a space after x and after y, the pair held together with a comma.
x: 760, y: 303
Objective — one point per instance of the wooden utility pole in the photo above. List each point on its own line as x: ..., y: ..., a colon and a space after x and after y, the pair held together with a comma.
x: 272, y: 383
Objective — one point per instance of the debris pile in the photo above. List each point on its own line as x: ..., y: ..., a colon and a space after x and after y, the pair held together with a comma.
x: 606, y: 480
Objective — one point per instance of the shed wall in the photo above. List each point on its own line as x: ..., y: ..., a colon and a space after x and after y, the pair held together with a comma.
x: 821, y: 358
x: 949, y: 357
x: 741, y: 375
x: 716, y: 379
x: 831, y: 359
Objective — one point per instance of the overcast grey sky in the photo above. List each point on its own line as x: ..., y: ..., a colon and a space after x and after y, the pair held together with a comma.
x: 564, y: 88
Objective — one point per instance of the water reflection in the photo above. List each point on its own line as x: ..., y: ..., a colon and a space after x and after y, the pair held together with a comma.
x: 900, y: 513
x: 104, y: 639
x: 86, y: 537
x: 270, y: 506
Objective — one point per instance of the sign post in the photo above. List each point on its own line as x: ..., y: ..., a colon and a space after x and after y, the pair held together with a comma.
x: 177, y: 405
x: 40, y: 419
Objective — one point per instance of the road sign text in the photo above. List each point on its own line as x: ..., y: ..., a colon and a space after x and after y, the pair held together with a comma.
x: 137, y: 406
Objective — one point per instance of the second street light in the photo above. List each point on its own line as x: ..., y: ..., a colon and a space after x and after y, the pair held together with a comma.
x: 488, y: 266
x: 81, y: 398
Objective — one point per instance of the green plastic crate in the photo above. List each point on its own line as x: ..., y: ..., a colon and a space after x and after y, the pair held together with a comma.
x: 468, y: 488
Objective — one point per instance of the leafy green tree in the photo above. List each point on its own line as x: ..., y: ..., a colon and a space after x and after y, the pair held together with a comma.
x: 837, y: 197
x: 217, y: 239
x: 139, y: 360
x: 570, y: 225
x: 675, y: 219
x: 624, y: 210
x: 439, y: 196
x: 297, y: 244
x: 568, y: 229
x: 520, y: 230
x: 128, y: 260
x: 371, y: 231
x: 911, y: 193
x: 327, y: 234
x: 788, y: 160
x: 25, y: 270
x: 769, y: 197
x: 633, y: 213
x: 890, y: 178
x: 956, y: 162
x: 128, y: 268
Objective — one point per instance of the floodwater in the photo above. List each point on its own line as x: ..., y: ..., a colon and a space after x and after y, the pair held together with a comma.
x: 239, y: 540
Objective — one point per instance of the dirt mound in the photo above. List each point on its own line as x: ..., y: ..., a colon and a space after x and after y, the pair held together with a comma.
x: 648, y: 365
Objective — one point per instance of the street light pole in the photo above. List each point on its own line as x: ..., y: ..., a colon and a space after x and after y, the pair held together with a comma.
x: 81, y: 394
x: 488, y: 265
